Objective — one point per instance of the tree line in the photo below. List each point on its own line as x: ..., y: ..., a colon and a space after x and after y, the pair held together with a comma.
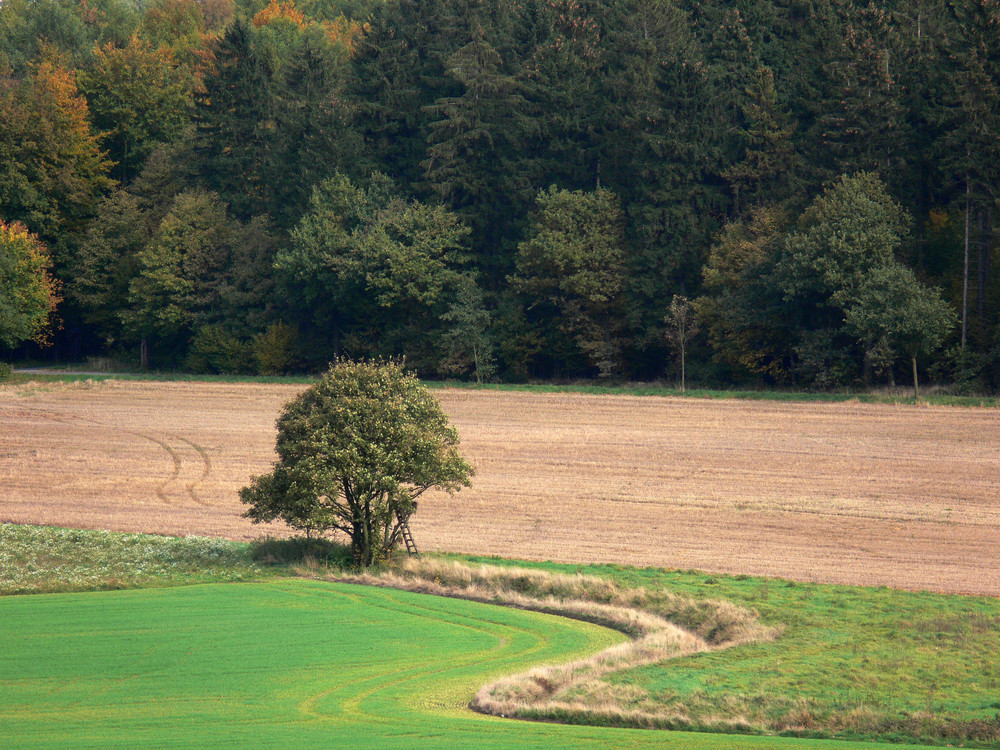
x: 512, y: 189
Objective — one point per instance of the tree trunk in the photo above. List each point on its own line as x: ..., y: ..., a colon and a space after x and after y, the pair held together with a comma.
x: 683, y: 384
x: 965, y: 267
x: 916, y: 386
x: 144, y: 354
x: 983, y: 266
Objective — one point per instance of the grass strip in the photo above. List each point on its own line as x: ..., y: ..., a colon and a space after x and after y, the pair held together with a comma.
x: 625, y: 389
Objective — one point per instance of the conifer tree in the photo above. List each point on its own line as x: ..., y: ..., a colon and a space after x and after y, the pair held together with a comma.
x: 473, y: 146
x: 234, y: 118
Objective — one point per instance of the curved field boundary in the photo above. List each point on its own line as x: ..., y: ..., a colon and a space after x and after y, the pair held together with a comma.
x: 292, y: 663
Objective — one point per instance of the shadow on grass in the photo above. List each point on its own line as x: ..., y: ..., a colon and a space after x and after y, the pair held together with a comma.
x: 300, y: 551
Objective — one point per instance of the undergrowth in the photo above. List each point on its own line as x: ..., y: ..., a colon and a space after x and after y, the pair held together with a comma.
x: 42, y: 559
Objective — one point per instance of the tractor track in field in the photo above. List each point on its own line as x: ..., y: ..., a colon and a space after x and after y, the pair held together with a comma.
x: 190, y: 462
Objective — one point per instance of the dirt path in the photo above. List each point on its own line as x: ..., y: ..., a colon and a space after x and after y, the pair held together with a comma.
x: 874, y: 494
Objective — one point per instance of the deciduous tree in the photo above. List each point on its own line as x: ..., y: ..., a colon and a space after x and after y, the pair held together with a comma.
x: 355, y: 451
x: 845, y: 286
x: 52, y: 169
x: 138, y: 98
x: 180, y: 271
x: 742, y: 305
x: 682, y: 326
x: 379, y: 271
x: 573, y: 263
x: 28, y: 293
x: 892, y: 314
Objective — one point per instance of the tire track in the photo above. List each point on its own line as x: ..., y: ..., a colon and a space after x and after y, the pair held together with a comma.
x: 186, y: 456
x: 205, y: 472
x: 161, y: 489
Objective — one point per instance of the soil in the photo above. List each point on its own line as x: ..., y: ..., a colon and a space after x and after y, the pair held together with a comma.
x: 896, y: 495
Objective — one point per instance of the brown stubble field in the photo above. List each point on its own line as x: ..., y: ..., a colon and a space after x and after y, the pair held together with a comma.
x: 897, y: 495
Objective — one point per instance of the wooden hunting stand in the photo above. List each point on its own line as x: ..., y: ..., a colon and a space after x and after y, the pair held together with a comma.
x: 404, y: 529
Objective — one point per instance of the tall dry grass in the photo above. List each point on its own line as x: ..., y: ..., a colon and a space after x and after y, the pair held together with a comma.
x: 661, y: 626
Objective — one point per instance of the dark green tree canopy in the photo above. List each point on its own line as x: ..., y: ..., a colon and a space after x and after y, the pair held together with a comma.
x: 355, y: 451
x: 378, y: 164
x: 572, y: 268
x: 377, y: 270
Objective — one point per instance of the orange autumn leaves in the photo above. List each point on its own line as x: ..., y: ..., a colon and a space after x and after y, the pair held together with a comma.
x: 28, y: 293
x: 342, y: 30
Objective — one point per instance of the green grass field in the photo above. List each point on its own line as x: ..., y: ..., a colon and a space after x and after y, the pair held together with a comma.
x: 287, y: 662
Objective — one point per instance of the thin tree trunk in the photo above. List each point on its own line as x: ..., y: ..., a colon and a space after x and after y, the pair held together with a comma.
x: 683, y: 389
x: 366, y: 530
x: 916, y: 386
x: 965, y: 267
x: 144, y: 354
x: 982, y: 265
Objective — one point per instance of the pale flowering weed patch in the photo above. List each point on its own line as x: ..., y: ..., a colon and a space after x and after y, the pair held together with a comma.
x: 41, y: 559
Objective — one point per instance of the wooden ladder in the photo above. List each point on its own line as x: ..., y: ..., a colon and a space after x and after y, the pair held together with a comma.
x: 404, y: 528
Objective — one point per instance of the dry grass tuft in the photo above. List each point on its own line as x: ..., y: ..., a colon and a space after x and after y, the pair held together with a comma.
x: 662, y: 627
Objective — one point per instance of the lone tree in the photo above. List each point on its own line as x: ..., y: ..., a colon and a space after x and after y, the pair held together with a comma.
x: 355, y: 452
x: 682, y: 326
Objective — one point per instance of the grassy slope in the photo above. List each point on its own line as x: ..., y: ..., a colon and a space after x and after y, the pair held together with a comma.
x: 71, y: 662
x: 872, y: 661
x: 285, y: 663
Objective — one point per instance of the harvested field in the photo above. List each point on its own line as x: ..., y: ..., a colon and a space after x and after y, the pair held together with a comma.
x: 849, y: 493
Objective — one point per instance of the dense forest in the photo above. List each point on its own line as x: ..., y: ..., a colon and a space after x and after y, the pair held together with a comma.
x: 795, y: 192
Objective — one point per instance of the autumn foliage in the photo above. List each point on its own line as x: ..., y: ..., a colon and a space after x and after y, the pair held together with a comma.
x: 28, y: 293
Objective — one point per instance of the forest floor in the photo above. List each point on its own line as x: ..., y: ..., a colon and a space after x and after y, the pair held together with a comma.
x: 874, y: 494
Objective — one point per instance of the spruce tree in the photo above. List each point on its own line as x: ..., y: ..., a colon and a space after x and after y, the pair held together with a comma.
x: 234, y: 118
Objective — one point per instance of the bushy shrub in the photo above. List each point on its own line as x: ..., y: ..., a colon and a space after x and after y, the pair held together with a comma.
x: 215, y: 350
x: 274, y: 349
x: 5, y: 371
x: 271, y: 551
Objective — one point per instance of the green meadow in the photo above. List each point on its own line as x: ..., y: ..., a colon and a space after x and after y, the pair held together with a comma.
x: 851, y: 661
x: 271, y: 660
